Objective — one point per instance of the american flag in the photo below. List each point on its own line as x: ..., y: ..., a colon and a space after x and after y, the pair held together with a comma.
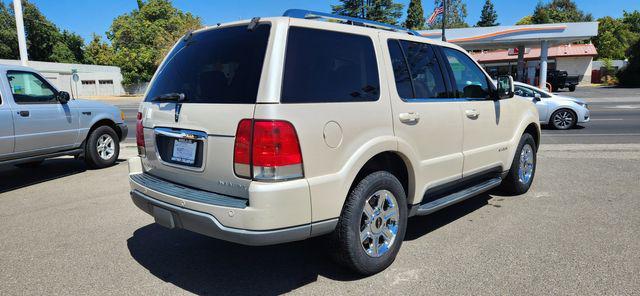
x: 437, y: 11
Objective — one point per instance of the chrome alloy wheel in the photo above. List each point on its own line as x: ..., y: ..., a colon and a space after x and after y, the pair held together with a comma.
x: 106, y: 147
x: 379, y: 223
x: 563, y: 119
x: 525, y: 168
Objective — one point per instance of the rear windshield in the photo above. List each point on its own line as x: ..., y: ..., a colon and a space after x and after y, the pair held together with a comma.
x: 215, y: 66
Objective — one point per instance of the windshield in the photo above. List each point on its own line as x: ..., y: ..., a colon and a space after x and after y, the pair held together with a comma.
x: 214, y: 66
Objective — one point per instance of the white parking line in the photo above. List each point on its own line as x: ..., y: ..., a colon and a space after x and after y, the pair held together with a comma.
x: 606, y: 119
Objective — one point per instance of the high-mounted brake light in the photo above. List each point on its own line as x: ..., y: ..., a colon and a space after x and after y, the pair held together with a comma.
x: 267, y: 150
x: 140, y: 135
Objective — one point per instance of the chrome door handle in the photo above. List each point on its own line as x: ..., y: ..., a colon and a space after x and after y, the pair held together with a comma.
x: 473, y: 114
x: 410, y: 117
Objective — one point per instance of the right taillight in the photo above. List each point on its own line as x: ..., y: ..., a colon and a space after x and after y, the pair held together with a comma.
x: 267, y: 150
x: 140, y: 135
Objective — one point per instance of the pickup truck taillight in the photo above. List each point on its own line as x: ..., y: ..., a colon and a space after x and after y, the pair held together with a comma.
x: 267, y: 150
x: 140, y: 135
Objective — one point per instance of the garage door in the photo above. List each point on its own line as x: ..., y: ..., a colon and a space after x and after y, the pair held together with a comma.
x: 105, y: 87
x: 88, y: 88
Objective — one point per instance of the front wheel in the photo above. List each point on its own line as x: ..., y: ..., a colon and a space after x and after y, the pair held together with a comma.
x: 102, y: 148
x: 523, y: 168
x: 564, y: 119
x: 372, y: 225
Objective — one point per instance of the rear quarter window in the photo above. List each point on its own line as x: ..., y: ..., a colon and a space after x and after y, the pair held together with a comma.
x: 328, y: 66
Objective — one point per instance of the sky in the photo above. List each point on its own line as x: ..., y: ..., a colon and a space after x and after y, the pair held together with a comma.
x: 89, y: 16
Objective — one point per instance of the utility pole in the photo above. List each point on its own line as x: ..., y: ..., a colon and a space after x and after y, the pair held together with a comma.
x: 22, y: 41
x: 444, y: 19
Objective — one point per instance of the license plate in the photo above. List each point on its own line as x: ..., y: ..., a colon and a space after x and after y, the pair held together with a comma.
x: 184, y: 151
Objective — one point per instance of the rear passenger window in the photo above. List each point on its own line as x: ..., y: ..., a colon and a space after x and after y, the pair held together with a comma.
x: 470, y: 80
x: 416, y: 70
x: 327, y: 66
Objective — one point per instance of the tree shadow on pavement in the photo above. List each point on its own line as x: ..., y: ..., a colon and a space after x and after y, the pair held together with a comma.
x: 204, y: 265
x: 12, y: 177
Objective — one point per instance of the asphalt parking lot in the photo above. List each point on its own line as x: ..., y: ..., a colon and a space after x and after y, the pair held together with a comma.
x: 69, y: 230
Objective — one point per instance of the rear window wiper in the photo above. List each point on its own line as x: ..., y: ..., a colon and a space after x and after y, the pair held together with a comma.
x: 170, y: 97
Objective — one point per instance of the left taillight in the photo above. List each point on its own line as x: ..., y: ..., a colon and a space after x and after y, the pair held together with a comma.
x: 267, y: 150
x: 140, y: 135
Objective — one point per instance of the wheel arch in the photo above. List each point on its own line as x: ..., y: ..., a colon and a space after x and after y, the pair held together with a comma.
x: 395, y: 163
x: 105, y: 122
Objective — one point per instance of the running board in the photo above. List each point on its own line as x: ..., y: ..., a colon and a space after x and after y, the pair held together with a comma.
x: 72, y: 152
x: 457, y: 197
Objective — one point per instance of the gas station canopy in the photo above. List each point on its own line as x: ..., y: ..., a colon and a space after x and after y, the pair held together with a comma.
x: 502, y: 37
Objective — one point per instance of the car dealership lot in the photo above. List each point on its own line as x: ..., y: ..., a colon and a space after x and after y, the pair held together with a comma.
x: 69, y: 230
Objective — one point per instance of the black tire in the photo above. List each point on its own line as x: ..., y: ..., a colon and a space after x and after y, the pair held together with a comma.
x: 572, y: 88
x: 350, y: 249
x: 513, y: 184
x: 30, y: 165
x: 91, y: 154
x: 563, y: 125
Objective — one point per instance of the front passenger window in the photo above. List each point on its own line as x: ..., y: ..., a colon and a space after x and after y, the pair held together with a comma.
x: 470, y: 80
x: 28, y: 88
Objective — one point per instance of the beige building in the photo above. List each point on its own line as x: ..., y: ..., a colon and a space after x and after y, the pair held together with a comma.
x: 576, y: 59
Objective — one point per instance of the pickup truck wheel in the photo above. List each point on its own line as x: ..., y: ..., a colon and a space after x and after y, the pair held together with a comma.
x: 372, y: 225
x: 563, y: 119
x: 523, y: 168
x: 572, y: 88
x: 102, y: 148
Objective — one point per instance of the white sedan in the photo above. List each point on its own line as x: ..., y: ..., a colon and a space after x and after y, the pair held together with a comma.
x: 558, y: 111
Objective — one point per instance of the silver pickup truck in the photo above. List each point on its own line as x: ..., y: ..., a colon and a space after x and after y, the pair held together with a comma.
x: 37, y: 122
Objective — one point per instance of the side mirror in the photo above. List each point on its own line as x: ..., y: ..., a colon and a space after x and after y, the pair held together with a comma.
x: 537, y: 97
x: 63, y: 97
x: 505, y: 87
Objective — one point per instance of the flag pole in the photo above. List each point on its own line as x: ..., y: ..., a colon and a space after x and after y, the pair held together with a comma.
x: 444, y: 18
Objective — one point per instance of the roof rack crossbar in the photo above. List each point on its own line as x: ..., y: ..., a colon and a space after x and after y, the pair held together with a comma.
x: 308, y: 14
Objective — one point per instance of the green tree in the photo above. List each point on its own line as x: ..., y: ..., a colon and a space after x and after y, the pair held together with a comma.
x: 60, y: 53
x: 143, y: 37
x: 42, y: 34
x: 526, y: 20
x: 415, y: 16
x: 630, y: 75
x: 488, y: 16
x: 8, y: 37
x: 614, y: 38
x: 99, y: 52
x: 75, y: 44
x: 384, y: 11
x: 559, y: 11
x: 456, y: 15
x: 632, y: 19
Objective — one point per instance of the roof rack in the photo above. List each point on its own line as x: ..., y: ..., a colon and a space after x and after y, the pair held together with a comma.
x: 308, y: 14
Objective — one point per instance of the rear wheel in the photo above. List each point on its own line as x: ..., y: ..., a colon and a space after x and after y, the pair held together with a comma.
x: 102, y: 148
x: 572, y: 88
x: 372, y: 225
x: 563, y: 119
x: 523, y: 167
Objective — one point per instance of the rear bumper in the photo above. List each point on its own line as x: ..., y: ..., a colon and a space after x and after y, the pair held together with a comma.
x: 208, y: 225
x: 273, y: 213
